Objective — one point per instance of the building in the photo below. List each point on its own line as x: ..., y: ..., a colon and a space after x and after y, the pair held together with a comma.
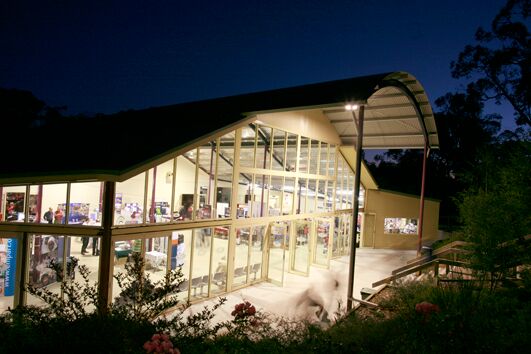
x: 234, y: 190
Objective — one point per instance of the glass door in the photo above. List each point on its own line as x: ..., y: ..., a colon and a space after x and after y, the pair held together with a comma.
x: 321, y: 245
x: 277, y: 245
x: 300, y: 257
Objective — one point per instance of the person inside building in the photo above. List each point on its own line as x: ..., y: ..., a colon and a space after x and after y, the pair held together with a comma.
x: 48, y: 216
x: 58, y: 217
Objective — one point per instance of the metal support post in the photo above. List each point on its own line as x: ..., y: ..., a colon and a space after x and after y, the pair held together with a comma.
x: 359, y: 150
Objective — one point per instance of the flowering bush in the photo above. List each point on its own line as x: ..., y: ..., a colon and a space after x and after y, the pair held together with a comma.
x: 243, y: 310
x: 160, y: 343
x: 426, y: 309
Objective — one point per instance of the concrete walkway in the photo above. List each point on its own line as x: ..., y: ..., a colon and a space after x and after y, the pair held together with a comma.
x: 298, y: 297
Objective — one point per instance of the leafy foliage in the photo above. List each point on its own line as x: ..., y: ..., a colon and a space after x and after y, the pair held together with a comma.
x: 501, y: 60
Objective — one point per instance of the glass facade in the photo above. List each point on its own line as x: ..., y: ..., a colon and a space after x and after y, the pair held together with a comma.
x: 242, y: 207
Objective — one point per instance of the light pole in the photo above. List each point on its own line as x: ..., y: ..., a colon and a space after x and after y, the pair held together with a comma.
x: 358, y: 123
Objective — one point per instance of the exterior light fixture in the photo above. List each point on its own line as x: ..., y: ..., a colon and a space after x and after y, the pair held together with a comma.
x: 351, y: 107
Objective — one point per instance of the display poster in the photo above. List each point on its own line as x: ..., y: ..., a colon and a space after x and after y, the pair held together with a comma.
x: 14, y: 206
x: 118, y: 202
x: 79, y: 212
x: 8, y: 262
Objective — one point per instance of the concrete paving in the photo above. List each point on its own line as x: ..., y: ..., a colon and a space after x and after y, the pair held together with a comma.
x: 299, y: 295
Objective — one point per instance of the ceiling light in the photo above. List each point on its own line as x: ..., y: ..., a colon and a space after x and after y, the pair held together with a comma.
x: 351, y: 107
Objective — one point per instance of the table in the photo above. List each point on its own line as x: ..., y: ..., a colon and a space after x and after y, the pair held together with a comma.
x: 156, y: 258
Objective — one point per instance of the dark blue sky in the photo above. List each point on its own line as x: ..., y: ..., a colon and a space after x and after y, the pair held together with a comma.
x: 107, y: 56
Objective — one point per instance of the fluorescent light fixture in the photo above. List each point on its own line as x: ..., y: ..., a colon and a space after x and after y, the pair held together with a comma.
x: 351, y: 107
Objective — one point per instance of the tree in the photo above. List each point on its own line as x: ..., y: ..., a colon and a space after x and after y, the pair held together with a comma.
x: 501, y: 60
x: 497, y: 215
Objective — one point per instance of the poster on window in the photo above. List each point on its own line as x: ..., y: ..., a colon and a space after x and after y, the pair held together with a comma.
x: 8, y: 252
x: 400, y: 226
x: 14, y: 206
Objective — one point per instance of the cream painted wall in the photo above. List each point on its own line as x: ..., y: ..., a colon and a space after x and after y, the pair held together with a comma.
x: 388, y: 204
x: 311, y: 123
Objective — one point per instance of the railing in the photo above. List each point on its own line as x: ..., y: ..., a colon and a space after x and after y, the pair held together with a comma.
x: 449, y: 255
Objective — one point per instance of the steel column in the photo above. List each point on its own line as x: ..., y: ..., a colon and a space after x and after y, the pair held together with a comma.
x: 359, y: 150
x: 421, y: 211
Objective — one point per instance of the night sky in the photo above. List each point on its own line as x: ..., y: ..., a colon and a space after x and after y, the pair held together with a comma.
x: 106, y: 56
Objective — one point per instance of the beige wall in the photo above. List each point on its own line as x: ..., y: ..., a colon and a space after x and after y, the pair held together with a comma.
x: 311, y: 123
x: 384, y: 204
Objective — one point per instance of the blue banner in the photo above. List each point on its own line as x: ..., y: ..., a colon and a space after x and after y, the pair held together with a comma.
x: 11, y: 263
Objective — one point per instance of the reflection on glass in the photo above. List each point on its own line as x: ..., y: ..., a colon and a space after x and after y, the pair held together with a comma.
x: 244, y: 195
x: 321, y: 196
x: 329, y: 196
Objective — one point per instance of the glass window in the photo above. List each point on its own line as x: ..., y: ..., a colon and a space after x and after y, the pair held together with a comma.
x: 291, y: 154
x: 199, y: 279
x: 206, y: 179
x: 279, y: 141
x: 156, y: 257
x: 247, y: 147
x: 256, y: 244
x: 159, y: 192
x: 185, y: 186
x: 339, y: 186
x: 311, y: 196
x: 301, y: 195
x: 275, y: 196
x: 289, y: 192
x: 13, y: 203
x: 345, y: 185
x: 321, y: 196
x: 45, y: 249
x: 260, y: 195
x: 330, y: 196
x: 400, y: 226
x: 314, y: 157
x: 122, y: 254
x: 220, y: 249
x: 224, y: 175
x: 181, y: 251
x: 263, y: 156
x: 323, y: 161
x: 304, y: 155
x: 129, y: 200
x: 331, y: 161
x: 241, y: 256
x: 86, y: 203
x: 244, y: 195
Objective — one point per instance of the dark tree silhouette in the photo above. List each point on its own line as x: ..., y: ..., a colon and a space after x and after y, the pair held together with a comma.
x: 500, y: 62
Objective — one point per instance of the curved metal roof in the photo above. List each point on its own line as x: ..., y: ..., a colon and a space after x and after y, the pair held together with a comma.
x: 398, y: 115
